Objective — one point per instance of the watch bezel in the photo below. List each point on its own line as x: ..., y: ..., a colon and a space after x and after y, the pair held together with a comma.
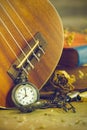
x: 16, y: 103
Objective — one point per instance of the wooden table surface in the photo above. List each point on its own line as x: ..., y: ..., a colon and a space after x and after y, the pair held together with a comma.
x: 45, y: 119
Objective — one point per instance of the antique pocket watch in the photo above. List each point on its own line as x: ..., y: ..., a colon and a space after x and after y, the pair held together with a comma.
x: 24, y: 94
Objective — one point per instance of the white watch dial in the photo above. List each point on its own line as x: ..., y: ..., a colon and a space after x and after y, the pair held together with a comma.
x: 25, y: 94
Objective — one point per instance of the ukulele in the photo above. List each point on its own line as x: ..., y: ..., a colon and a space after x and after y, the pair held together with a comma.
x: 31, y: 40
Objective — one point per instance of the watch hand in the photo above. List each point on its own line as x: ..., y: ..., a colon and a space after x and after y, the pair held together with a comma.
x: 26, y: 93
x: 24, y: 97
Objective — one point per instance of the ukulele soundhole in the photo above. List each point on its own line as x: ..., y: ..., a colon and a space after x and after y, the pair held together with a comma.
x: 31, y: 55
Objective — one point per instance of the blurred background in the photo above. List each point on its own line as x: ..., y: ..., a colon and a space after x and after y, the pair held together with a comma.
x: 73, y: 13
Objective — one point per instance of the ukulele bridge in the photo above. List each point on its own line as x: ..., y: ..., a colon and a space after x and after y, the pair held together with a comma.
x: 31, y: 54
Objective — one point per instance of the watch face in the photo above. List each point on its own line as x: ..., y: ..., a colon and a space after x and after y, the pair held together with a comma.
x: 25, y: 94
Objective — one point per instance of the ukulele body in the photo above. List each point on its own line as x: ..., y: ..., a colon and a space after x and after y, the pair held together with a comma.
x: 40, y: 17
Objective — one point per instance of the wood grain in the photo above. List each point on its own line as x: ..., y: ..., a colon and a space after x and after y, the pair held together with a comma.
x: 39, y: 16
x: 45, y: 119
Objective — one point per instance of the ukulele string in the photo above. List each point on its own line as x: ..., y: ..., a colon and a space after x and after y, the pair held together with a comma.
x: 29, y: 32
x: 13, y: 36
x: 14, y: 40
x: 12, y: 51
x: 19, y: 31
x: 21, y: 20
x: 9, y: 46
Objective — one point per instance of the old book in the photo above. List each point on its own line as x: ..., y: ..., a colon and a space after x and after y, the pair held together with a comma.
x: 75, y: 50
x: 76, y: 56
x: 74, y: 39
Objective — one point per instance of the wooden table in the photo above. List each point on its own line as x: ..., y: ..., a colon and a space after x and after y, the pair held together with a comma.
x: 46, y: 119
